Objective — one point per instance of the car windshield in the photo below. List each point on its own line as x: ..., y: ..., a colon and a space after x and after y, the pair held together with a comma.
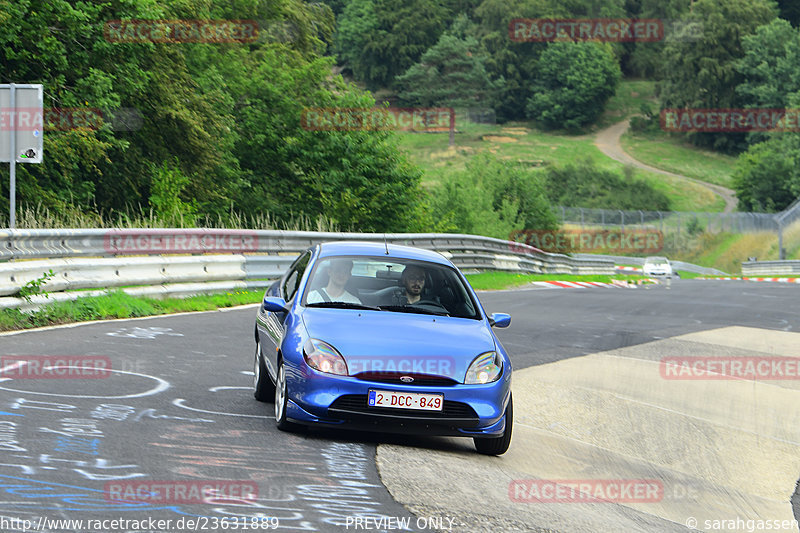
x: 657, y: 261
x: 390, y: 285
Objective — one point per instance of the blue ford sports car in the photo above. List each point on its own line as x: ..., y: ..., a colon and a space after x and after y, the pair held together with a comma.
x: 383, y: 337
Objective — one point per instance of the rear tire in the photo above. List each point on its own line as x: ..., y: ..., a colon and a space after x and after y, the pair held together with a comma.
x: 497, y: 445
x: 282, y: 401
x: 263, y: 388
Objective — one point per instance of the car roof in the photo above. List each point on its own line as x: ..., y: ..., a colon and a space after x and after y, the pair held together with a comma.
x: 656, y: 258
x: 366, y: 248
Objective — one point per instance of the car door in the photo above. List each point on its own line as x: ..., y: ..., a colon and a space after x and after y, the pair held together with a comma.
x: 271, y: 325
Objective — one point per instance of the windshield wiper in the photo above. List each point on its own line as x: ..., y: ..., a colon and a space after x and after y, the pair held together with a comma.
x: 411, y: 309
x: 343, y: 305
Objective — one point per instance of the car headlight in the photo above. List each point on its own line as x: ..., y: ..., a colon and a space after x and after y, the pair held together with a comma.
x: 321, y: 356
x: 486, y: 368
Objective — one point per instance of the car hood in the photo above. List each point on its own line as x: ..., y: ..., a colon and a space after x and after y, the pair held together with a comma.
x: 384, y: 341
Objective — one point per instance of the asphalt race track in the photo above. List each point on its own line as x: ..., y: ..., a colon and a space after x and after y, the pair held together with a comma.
x: 176, y: 413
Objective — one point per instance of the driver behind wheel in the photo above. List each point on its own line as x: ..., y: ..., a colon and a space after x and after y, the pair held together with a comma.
x: 412, y: 285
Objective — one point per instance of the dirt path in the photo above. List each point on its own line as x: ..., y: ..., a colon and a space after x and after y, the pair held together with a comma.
x: 607, y: 141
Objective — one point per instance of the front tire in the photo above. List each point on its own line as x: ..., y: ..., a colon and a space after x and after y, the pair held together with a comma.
x: 263, y: 388
x: 497, y: 445
x: 282, y: 401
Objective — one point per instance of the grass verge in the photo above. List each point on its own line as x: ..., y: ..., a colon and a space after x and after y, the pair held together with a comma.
x: 506, y: 280
x: 630, y: 96
x: 117, y: 304
x: 521, y: 142
x: 675, y: 155
x: 685, y: 274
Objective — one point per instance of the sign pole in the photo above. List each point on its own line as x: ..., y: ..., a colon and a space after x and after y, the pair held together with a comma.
x: 23, y: 103
x: 12, y: 187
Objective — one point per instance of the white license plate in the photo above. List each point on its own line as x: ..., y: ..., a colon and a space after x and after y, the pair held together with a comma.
x: 405, y: 400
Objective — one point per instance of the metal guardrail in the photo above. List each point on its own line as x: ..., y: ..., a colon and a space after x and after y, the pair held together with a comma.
x: 155, y: 258
x: 36, y: 244
x: 771, y: 268
x: 84, y: 273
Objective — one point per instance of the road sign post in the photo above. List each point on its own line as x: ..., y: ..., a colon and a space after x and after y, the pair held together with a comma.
x: 21, y: 132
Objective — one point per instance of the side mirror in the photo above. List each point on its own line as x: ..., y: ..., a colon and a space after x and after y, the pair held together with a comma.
x: 274, y: 304
x: 499, y: 320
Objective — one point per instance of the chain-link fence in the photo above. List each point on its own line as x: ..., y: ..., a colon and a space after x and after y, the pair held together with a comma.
x: 672, y: 221
x: 678, y: 224
x: 786, y: 218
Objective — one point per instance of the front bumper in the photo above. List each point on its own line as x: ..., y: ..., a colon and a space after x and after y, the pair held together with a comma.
x: 341, y: 402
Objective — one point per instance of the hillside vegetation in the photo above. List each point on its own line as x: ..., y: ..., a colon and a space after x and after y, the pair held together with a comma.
x: 220, y: 136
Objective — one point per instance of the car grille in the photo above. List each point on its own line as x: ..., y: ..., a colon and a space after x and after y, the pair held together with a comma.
x: 420, y: 380
x: 357, y: 403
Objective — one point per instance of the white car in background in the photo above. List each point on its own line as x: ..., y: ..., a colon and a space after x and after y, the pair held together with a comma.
x: 657, y: 266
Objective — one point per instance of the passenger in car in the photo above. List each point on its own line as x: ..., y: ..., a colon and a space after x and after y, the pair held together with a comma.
x: 339, y: 274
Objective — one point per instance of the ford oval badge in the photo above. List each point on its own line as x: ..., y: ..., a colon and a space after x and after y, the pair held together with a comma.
x: 406, y: 379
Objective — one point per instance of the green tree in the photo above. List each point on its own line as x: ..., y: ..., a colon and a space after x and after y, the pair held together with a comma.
x: 645, y: 58
x: 512, y: 61
x: 451, y: 73
x: 516, y: 62
x: 572, y: 83
x: 224, y: 116
x: 769, y: 69
x: 165, y: 196
x: 790, y: 10
x: 359, y: 179
x: 703, y: 73
x: 766, y: 176
x: 353, y: 29
x: 769, y: 65
x: 62, y: 47
x: 337, y: 6
x: 380, y: 39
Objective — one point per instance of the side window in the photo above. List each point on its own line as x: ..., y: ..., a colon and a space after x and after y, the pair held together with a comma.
x: 295, y: 275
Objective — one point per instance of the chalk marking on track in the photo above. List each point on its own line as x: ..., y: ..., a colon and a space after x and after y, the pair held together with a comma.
x: 162, y: 386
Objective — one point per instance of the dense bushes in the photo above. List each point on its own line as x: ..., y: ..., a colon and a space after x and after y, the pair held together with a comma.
x: 585, y: 185
x: 492, y: 197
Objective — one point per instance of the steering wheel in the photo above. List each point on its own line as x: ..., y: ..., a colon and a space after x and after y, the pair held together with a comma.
x: 432, y: 303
